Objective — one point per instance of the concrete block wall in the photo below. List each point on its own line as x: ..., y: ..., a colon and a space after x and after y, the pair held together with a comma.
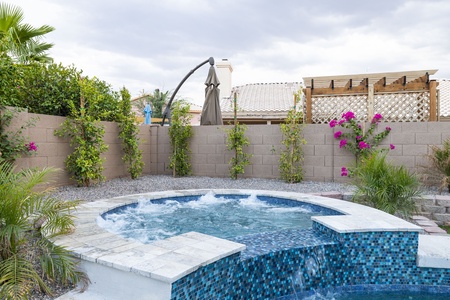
x: 323, y: 157
x: 210, y: 157
x: 53, y: 150
x: 435, y: 207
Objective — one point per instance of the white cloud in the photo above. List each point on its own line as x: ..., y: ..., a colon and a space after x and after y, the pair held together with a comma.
x: 153, y: 44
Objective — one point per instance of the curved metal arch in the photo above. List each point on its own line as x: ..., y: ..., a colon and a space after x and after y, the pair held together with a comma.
x: 167, y: 109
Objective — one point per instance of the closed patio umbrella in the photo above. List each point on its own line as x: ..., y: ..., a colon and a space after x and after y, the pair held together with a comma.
x: 211, y: 114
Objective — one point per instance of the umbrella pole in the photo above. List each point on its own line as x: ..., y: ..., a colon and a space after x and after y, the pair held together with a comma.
x: 167, y: 109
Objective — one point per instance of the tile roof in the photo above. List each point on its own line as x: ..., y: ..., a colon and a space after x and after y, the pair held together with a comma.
x: 444, y: 97
x: 262, y: 97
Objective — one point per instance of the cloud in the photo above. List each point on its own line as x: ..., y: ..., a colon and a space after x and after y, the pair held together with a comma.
x: 153, y: 44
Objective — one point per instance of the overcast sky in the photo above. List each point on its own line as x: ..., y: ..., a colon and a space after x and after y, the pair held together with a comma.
x: 149, y: 44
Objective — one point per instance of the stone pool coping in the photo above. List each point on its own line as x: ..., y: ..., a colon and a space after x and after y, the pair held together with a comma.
x: 171, y: 259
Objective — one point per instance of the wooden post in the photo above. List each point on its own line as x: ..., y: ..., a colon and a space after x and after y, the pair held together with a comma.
x: 235, y: 108
x: 433, y: 101
x: 308, y: 105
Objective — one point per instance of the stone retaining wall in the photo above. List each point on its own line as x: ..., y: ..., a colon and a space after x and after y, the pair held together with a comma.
x: 435, y: 207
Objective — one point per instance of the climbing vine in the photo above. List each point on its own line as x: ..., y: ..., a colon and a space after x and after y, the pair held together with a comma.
x: 129, y: 136
x: 236, y: 141
x: 291, y: 158
x: 86, y: 137
x: 180, y: 132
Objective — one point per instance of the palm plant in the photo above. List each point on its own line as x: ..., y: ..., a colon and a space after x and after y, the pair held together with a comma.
x: 19, y: 40
x: 386, y: 187
x: 28, y: 217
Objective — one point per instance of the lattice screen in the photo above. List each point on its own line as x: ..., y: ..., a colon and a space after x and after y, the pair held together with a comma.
x: 394, y: 107
x: 403, y: 107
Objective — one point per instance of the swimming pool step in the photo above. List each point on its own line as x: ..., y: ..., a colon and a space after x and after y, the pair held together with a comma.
x: 434, y: 251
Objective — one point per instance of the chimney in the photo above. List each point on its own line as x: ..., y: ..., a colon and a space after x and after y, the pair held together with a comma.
x: 224, y: 70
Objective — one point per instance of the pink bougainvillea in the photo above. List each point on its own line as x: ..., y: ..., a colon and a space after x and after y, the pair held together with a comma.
x: 31, y: 147
x: 337, y: 134
x: 361, y: 143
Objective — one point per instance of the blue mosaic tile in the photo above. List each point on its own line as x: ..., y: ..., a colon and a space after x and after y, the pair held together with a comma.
x: 289, y: 263
x: 279, y: 264
x: 267, y: 242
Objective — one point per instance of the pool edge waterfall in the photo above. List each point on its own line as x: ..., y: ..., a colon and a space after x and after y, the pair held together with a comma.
x: 360, y: 246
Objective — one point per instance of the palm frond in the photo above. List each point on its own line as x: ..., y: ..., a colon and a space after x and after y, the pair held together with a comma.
x: 386, y: 187
x: 57, y: 215
x: 59, y: 264
x: 10, y: 16
x: 27, y: 210
x: 18, y: 278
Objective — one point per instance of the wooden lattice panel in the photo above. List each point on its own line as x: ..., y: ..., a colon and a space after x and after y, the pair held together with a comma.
x: 326, y: 108
x: 444, y: 98
x: 403, y: 107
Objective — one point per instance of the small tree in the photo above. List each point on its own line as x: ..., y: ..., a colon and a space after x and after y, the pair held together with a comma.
x: 236, y: 141
x: 86, y: 137
x: 180, y: 132
x: 291, y: 158
x: 129, y: 136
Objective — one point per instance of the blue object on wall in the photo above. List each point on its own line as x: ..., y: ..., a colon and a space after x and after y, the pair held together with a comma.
x: 148, y: 114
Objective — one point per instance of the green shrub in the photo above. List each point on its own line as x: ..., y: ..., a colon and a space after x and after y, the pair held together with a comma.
x: 180, y: 132
x: 11, y: 80
x: 47, y: 88
x: 101, y: 102
x: 439, y: 171
x: 384, y: 186
x: 27, y: 218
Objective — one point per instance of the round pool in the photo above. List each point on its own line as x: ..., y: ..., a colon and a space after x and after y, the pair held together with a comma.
x: 223, y: 216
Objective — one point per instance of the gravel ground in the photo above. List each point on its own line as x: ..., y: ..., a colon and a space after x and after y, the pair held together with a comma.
x: 155, y: 183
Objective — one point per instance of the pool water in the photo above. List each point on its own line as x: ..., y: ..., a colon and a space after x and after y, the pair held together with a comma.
x: 223, y: 216
x: 370, y: 294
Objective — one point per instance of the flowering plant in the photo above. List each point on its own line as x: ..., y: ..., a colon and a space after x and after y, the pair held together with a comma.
x: 360, y: 143
x: 31, y: 147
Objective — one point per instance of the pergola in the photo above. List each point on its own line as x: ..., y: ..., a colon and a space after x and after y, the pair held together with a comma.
x: 399, y: 96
